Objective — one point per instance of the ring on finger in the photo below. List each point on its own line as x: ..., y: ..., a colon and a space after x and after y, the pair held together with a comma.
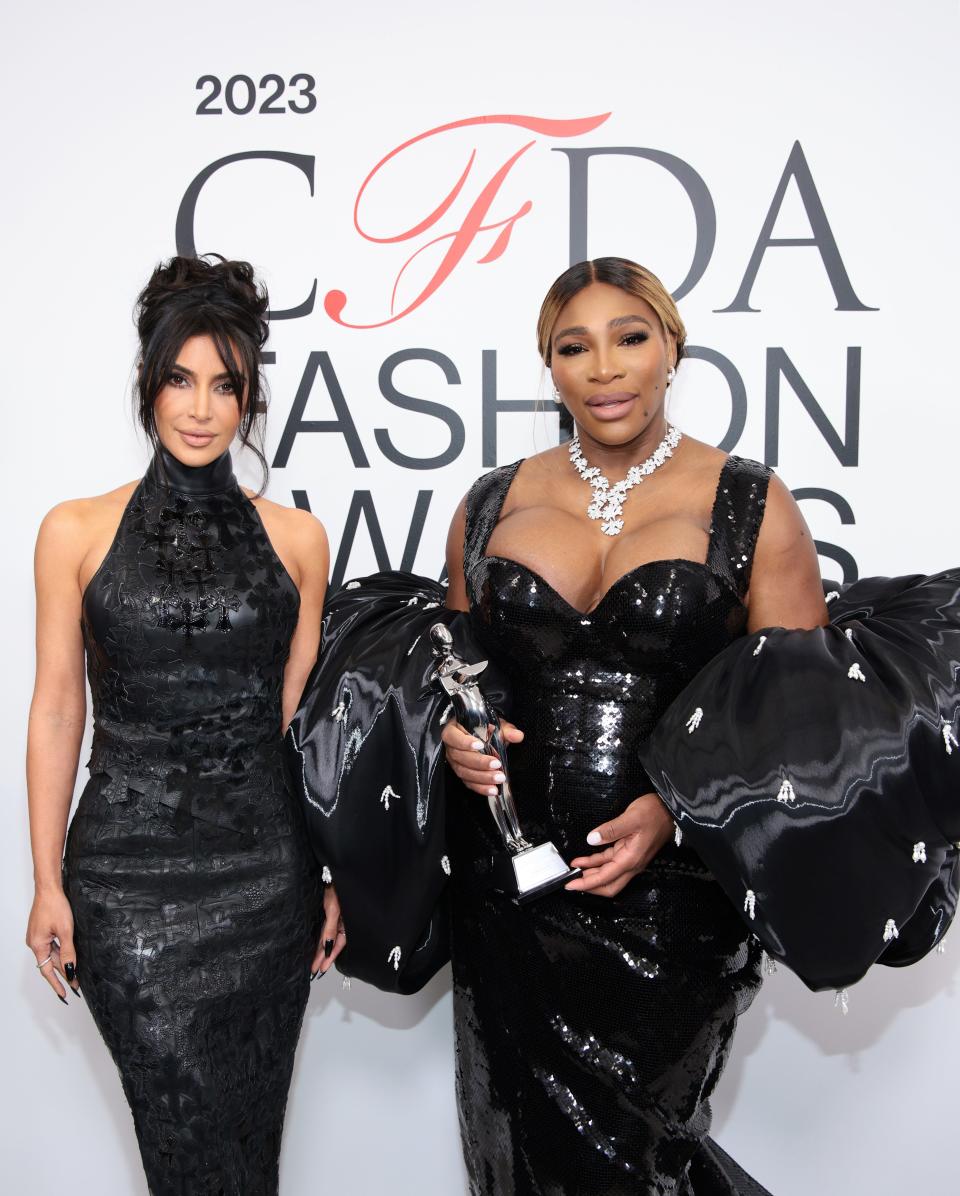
x: 43, y: 963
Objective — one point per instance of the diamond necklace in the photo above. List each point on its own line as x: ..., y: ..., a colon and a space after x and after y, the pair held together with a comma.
x: 607, y: 501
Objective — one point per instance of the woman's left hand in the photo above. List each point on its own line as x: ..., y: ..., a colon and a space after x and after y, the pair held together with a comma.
x: 333, y: 937
x: 633, y: 839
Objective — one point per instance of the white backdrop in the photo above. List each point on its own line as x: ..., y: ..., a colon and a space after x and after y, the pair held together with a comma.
x: 102, y: 143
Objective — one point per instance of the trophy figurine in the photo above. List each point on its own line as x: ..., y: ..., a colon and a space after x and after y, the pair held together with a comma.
x: 523, y: 870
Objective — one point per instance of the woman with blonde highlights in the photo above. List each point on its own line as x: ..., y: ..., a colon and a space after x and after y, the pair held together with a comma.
x: 593, y: 1023
x: 725, y: 768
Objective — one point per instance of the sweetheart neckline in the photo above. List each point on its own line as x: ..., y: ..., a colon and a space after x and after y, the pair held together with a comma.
x: 586, y: 614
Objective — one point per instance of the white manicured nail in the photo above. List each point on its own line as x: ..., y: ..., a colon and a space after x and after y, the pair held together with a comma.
x: 594, y: 839
x: 476, y: 746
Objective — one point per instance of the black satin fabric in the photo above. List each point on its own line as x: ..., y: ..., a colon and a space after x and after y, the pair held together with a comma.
x: 195, y: 897
x: 856, y: 862
x: 592, y: 1031
x: 366, y: 759
x: 364, y: 755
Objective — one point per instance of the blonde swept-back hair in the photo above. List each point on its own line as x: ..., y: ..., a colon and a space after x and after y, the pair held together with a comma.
x: 616, y: 272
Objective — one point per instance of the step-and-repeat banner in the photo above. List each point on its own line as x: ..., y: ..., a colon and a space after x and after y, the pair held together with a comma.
x: 409, y: 179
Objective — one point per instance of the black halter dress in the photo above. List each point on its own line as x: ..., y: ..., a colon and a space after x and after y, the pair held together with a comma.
x: 196, y: 901
x: 592, y: 1031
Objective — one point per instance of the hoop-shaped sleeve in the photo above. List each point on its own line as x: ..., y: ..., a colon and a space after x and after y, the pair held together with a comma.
x: 365, y: 761
x: 817, y: 774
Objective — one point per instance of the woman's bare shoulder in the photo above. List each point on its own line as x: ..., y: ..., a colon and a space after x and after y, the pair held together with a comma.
x: 74, y: 514
x: 74, y: 528
x: 299, y: 539
x: 294, y: 520
x: 697, y: 454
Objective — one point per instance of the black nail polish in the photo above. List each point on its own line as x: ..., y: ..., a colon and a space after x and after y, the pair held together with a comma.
x: 70, y: 971
x: 314, y: 975
x: 327, y: 947
x: 78, y: 992
x: 63, y: 999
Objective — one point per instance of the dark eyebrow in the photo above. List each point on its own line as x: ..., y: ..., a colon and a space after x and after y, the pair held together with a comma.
x: 617, y: 322
x: 182, y: 369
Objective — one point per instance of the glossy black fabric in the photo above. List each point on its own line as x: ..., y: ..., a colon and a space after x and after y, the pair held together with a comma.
x: 366, y: 759
x: 821, y: 783
x: 363, y: 750
x: 592, y: 1031
x: 195, y: 896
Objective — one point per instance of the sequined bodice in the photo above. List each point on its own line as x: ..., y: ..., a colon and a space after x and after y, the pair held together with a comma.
x: 589, y: 687
x: 187, y: 627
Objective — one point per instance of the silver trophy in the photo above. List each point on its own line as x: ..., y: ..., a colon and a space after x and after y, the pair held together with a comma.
x: 523, y: 870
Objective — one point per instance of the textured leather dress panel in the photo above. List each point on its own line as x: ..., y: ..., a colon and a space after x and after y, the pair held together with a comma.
x: 592, y: 1031
x: 194, y: 893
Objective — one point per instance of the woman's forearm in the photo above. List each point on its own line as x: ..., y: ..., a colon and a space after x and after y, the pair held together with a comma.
x: 53, y: 752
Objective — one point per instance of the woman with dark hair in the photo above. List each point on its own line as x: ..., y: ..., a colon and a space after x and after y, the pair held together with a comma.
x: 187, y: 905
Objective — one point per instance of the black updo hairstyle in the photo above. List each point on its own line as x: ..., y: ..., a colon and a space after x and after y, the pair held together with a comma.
x: 205, y: 296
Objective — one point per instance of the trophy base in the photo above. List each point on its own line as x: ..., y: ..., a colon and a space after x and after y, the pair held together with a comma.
x: 531, y: 873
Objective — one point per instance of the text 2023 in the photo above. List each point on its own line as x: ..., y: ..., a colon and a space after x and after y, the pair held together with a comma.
x: 240, y: 94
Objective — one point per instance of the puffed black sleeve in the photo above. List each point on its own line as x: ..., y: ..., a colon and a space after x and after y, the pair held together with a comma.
x: 365, y: 760
x: 817, y: 774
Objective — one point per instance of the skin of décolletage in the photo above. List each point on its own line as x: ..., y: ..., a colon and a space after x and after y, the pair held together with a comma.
x: 609, y: 356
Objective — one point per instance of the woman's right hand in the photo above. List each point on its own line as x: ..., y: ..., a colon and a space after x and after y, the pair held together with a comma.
x: 465, y: 755
x: 50, y: 934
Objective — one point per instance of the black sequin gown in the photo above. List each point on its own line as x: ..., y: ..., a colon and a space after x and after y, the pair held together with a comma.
x: 192, y: 886
x: 591, y: 1031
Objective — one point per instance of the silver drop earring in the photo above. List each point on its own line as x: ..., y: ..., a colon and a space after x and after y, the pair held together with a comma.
x: 556, y: 395
x: 671, y: 374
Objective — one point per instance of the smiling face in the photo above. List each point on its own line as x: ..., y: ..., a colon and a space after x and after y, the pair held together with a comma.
x: 609, y: 358
x: 197, y: 410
